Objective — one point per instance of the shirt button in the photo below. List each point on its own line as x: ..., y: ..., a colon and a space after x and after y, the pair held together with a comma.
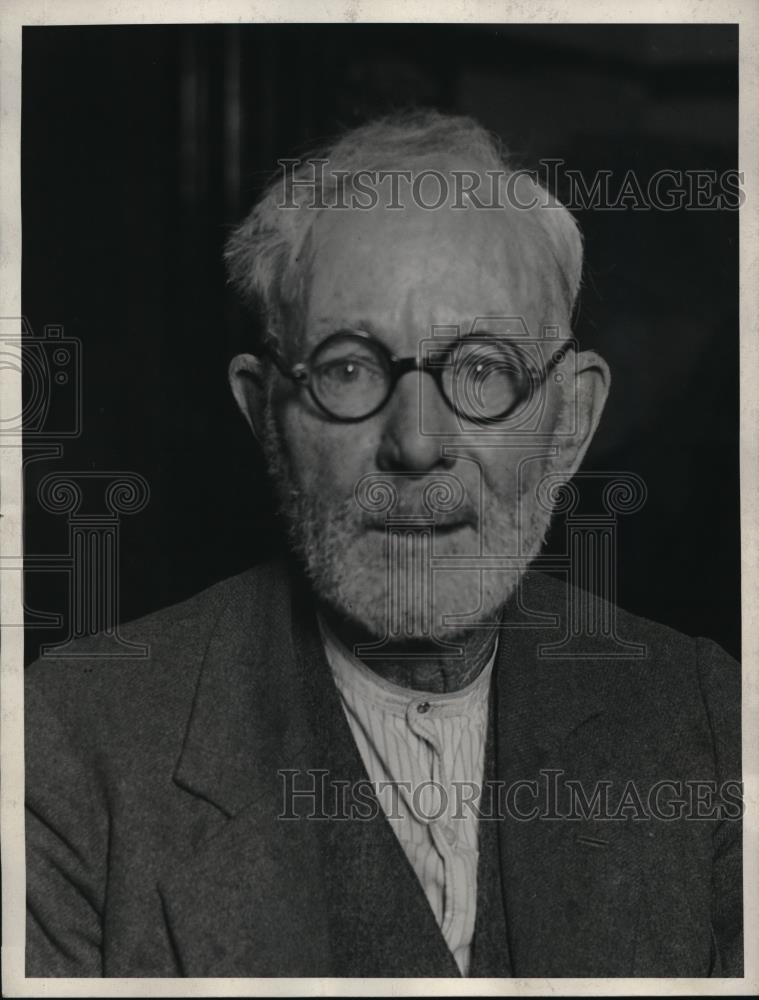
x: 422, y: 707
x: 450, y: 835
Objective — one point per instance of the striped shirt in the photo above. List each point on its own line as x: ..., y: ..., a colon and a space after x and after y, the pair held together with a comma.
x: 424, y: 754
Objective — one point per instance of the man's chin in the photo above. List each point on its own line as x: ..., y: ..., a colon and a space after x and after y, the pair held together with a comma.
x: 410, y: 605
x: 384, y: 583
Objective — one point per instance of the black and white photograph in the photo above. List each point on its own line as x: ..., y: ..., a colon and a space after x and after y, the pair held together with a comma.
x: 380, y: 554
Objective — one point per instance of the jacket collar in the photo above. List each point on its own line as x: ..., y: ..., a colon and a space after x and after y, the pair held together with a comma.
x: 251, y: 661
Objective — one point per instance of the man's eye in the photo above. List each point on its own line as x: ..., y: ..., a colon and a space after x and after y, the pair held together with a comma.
x: 348, y: 370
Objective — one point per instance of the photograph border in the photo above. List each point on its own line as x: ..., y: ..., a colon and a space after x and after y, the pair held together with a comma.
x: 17, y: 13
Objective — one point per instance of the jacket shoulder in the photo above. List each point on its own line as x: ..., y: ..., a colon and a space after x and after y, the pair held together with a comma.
x: 676, y: 682
x: 547, y: 594
x: 154, y: 668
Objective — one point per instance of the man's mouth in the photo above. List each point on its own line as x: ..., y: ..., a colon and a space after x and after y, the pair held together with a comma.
x: 440, y: 527
x: 447, y: 528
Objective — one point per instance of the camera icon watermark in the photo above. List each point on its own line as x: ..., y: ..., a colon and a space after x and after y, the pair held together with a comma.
x: 50, y: 367
x: 499, y: 378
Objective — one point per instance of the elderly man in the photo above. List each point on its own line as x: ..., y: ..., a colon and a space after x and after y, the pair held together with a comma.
x: 374, y: 757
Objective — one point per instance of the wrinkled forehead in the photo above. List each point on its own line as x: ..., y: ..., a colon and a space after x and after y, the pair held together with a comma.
x: 410, y: 269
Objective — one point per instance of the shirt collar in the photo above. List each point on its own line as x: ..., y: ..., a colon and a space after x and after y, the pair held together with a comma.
x: 353, y: 676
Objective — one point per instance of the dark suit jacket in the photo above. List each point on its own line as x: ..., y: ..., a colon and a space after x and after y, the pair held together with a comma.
x: 154, y: 790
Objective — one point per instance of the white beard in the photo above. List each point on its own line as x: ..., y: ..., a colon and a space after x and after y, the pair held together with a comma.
x: 403, y: 596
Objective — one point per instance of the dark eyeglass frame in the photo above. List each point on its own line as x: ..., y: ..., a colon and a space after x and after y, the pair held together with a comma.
x: 396, y: 367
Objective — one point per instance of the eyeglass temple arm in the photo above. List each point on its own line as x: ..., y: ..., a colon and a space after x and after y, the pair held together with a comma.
x: 298, y: 373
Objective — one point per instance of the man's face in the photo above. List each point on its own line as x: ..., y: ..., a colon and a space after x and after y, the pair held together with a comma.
x: 397, y: 275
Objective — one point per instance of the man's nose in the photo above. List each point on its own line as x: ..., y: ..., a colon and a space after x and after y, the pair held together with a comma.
x: 411, y: 440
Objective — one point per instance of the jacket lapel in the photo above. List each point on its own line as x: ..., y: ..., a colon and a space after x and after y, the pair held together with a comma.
x: 571, y: 895
x: 490, y: 957
x: 246, y: 896
x: 261, y: 895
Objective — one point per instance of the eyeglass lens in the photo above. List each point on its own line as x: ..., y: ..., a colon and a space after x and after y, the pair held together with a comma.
x: 350, y: 376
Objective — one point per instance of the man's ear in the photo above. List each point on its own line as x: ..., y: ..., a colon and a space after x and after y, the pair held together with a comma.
x: 248, y: 384
x: 583, y: 408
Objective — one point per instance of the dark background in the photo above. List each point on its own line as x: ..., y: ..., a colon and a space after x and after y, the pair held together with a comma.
x: 142, y: 146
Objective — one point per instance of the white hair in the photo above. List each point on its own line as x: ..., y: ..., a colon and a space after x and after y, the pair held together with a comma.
x: 267, y: 254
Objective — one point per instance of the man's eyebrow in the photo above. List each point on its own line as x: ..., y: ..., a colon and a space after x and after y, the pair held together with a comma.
x: 334, y: 325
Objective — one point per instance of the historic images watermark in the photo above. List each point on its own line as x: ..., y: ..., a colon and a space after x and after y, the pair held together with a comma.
x: 551, y: 795
x: 313, y: 184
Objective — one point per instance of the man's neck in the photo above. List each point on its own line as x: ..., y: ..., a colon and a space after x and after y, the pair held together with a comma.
x: 403, y: 665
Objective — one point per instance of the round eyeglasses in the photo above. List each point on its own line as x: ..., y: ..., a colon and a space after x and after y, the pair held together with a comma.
x: 351, y: 375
